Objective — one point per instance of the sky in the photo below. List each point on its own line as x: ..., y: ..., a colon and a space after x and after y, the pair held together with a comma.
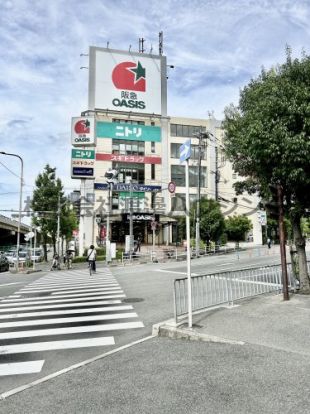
x: 216, y: 47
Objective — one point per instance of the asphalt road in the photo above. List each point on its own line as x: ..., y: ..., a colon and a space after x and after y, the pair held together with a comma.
x: 148, y: 288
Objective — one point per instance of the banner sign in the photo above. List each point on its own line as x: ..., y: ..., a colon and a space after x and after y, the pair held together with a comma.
x: 126, y: 187
x: 82, y: 172
x: 126, y: 81
x: 83, y: 131
x: 82, y: 163
x: 131, y: 132
x: 141, y: 217
x: 83, y: 154
x: 139, y: 159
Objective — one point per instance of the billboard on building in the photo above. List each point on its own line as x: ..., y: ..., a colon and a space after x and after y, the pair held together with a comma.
x: 83, y: 131
x: 82, y: 163
x: 127, y: 81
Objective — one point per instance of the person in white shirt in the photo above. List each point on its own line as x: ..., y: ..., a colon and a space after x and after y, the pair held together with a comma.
x: 91, y: 256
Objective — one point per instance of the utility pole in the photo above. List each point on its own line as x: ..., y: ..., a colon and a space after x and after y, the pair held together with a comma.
x: 131, y: 219
x: 201, y: 146
x: 58, y: 226
x: 217, y: 178
x: 282, y: 243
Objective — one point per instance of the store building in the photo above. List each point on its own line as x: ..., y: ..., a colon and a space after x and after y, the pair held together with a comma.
x: 130, y: 132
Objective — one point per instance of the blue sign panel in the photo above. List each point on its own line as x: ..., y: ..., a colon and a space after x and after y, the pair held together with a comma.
x: 126, y: 187
x: 87, y: 172
x: 185, y: 150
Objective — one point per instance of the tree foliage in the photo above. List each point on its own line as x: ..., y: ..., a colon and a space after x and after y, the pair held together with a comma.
x: 46, y: 197
x: 211, y: 220
x: 267, y: 139
x: 236, y: 227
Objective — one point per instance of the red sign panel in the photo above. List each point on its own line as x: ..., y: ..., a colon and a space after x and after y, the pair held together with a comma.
x: 128, y: 158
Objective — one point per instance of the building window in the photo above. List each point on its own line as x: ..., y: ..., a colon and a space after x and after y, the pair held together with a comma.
x: 124, y: 147
x: 153, y: 147
x: 152, y: 171
x: 178, y: 175
x: 175, y: 151
x: 193, y: 176
x: 178, y: 203
x: 130, y: 172
x: 178, y: 130
x: 152, y: 123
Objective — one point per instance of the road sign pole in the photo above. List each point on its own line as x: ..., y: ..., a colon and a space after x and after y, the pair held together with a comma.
x: 188, y: 249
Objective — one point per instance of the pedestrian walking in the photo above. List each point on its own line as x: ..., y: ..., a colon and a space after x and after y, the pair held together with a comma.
x: 269, y: 243
x: 139, y: 241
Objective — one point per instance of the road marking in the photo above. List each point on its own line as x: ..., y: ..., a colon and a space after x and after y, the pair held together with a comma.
x: 68, y: 282
x: 66, y: 298
x: 64, y: 285
x: 16, y: 390
x: 72, y: 288
x: 8, y: 284
x: 175, y: 272
x: 66, y: 312
x: 225, y: 264
x: 75, y: 292
x: 71, y: 330
x: 67, y: 305
x: 18, y: 368
x: 67, y: 320
x: 54, y: 345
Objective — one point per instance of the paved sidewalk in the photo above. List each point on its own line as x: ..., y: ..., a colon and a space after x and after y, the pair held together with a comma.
x: 266, y: 320
x: 256, y: 360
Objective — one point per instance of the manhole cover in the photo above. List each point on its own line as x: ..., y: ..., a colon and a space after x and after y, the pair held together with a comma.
x: 133, y: 300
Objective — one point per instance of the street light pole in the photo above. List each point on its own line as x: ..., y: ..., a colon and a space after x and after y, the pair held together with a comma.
x: 201, y: 136
x: 58, y: 226
x: 131, y: 219
x: 20, y: 203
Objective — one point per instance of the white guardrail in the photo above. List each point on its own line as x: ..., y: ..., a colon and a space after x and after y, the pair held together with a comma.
x: 227, y: 287
x: 171, y: 253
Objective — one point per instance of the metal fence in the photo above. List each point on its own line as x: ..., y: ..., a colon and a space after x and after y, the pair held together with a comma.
x: 227, y: 287
x: 168, y: 253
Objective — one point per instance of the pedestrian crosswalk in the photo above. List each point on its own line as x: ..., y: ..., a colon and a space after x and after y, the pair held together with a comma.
x: 61, y: 311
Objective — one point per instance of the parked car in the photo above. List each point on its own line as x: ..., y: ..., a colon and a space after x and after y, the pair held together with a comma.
x: 10, y: 254
x: 4, y: 263
x: 22, y: 257
x: 36, y: 255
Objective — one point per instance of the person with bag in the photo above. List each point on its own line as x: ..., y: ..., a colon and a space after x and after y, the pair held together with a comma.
x: 91, y: 257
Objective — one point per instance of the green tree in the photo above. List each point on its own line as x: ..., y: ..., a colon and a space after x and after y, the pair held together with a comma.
x: 47, y: 196
x: 236, y: 227
x: 267, y: 140
x: 212, y: 223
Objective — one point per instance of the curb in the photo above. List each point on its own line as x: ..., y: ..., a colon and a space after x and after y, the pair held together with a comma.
x: 169, y: 329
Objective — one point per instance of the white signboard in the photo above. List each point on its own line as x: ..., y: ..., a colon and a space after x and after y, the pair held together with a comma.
x: 83, y: 131
x: 126, y: 81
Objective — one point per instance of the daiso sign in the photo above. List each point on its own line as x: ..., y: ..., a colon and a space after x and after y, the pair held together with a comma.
x: 125, y: 81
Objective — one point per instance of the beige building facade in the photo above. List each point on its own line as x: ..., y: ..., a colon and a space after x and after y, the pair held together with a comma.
x: 127, y: 129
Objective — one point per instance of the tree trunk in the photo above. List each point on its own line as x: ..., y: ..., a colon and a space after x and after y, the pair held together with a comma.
x: 302, y: 258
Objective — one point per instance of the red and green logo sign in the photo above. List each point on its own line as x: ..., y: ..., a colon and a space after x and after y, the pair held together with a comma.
x: 82, y: 127
x: 129, y: 76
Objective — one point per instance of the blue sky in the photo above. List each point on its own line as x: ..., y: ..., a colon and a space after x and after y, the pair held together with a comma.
x: 216, y: 46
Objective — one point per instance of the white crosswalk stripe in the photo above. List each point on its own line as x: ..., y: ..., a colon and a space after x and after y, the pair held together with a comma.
x: 63, y: 310
x: 19, y: 368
